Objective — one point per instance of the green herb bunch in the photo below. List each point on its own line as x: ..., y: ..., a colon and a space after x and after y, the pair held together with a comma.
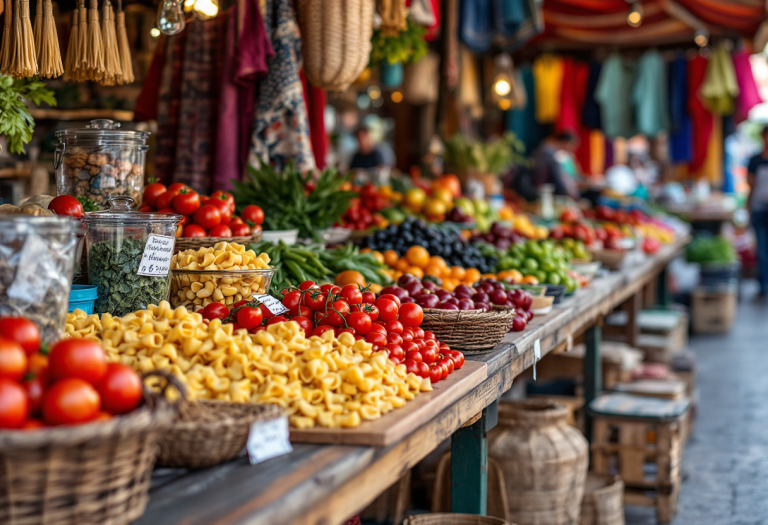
x: 710, y: 250
x: 16, y: 122
x: 493, y: 156
x: 408, y: 46
x: 288, y: 202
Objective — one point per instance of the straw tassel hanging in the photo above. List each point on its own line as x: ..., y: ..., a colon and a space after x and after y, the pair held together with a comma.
x: 50, y: 56
x: 7, y: 50
x: 24, y: 57
x: 126, y: 62
x: 69, y: 62
x: 80, y: 66
x: 38, y: 28
x: 112, y: 71
x: 95, y: 50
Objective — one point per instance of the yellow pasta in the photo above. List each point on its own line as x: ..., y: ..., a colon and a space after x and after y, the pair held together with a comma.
x: 319, y: 381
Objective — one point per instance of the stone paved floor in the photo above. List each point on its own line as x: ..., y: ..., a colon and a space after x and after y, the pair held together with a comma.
x: 726, y: 460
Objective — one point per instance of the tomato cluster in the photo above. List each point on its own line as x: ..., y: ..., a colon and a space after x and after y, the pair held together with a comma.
x: 72, y: 384
x: 212, y: 216
x: 362, y: 213
x: 384, y: 321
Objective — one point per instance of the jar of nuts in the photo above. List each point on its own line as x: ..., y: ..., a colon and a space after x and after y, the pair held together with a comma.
x: 226, y: 273
x: 101, y: 161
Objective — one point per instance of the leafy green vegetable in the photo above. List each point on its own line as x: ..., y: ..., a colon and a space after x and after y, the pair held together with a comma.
x: 408, y: 46
x: 288, y: 203
x: 16, y: 122
x: 88, y: 204
x: 492, y: 157
x: 710, y: 250
x: 113, y: 267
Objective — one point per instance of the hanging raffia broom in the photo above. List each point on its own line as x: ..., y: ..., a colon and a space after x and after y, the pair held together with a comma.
x: 126, y: 63
x: 95, y: 45
x: 80, y: 67
x: 70, y: 61
x: 50, y: 56
x: 38, y: 28
x: 24, y: 57
x: 7, y: 50
x: 112, y: 71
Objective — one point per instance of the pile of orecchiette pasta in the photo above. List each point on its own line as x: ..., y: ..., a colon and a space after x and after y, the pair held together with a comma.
x: 319, y: 381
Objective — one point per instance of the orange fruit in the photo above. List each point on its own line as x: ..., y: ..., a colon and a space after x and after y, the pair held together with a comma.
x: 489, y: 276
x: 434, y: 271
x: 417, y: 256
x: 450, y: 284
x: 457, y: 272
x: 402, y: 265
x: 375, y: 288
x: 437, y: 261
x: 416, y: 271
x: 379, y: 256
x: 390, y: 258
x: 529, y: 279
x: 365, y: 250
x: 472, y: 275
x: 350, y: 277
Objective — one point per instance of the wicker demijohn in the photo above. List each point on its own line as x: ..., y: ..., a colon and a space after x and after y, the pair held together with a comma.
x: 336, y: 40
x: 603, y: 500
x: 92, y: 474
x: 210, y: 432
x: 453, y: 519
x: 469, y: 329
x: 544, y: 461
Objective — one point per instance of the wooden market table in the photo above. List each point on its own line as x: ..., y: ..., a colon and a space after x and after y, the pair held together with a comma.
x: 326, y: 484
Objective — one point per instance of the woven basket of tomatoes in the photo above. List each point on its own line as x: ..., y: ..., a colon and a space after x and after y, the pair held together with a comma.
x: 78, y: 435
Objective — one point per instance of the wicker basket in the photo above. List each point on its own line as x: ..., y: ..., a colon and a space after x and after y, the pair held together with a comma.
x: 210, y: 432
x: 603, y: 500
x: 336, y: 40
x: 453, y: 519
x: 98, y: 473
x: 469, y: 329
x: 195, y: 243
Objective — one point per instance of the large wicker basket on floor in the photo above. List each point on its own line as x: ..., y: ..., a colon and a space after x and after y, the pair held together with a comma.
x: 208, y: 433
x: 603, y: 502
x: 92, y: 474
x: 470, y: 329
x: 445, y: 518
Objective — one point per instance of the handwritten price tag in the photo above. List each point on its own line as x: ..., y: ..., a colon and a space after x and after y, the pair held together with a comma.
x: 156, y: 259
x: 268, y: 439
x: 273, y: 304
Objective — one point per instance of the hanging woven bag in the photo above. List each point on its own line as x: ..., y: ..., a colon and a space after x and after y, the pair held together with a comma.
x: 336, y: 41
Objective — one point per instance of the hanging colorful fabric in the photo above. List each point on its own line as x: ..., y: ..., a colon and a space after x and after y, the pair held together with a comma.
x: 720, y: 89
x: 749, y: 96
x: 49, y: 52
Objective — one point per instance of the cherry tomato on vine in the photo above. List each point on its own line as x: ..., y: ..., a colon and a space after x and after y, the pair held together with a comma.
x: 320, y: 330
x: 292, y: 299
x: 13, y: 360
x: 306, y: 285
x: 207, y: 217
x: 265, y: 312
x: 302, y: 311
x: 315, y: 300
x: 351, y: 294
x: 14, y: 406
x: 360, y: 322
x: 369, y: 297
x: 371, y: 310
x: 121, y: 389
x: 77, y: 358
x: 305, y: 324
x: 70, y: 401
x: 249, y: 317
x: 215, y: 311
x: 186, y: 202
x: 331, y: 289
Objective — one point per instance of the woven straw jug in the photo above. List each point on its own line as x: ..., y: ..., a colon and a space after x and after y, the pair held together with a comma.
x: 336, y: 40
x: 543, y: 460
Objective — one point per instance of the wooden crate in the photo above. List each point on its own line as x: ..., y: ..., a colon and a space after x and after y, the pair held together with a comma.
x: 713, y: 311
x: 663, y: 333
x: 618, y: 360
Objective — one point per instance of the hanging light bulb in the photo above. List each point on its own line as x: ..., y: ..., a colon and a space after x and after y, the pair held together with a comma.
x: 206, y: 8
x: 502, y: 78
x: 701, y: 37
x: 635, y: 15
x: 170, y: 17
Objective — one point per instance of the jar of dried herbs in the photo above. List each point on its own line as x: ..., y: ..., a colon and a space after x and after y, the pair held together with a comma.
x: 129, y: 256
x: 36, y: 258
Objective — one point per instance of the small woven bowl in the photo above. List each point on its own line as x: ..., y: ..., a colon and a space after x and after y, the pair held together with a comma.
x: 195, y: 243
x: 208, y: 433
x: 469, y: 329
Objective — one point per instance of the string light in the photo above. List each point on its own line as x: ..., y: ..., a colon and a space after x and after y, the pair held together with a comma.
x: 154, y: 32
x: 502, y: 87
x: 701, y: 37
x: 635, y: 15
x: 397, y: 97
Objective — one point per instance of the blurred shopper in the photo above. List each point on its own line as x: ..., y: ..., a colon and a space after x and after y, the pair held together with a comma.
x: 757, y: 205
x: 553, y: 164
x: 368, y: 156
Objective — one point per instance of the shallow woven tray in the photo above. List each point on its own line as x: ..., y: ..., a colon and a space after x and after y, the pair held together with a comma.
x: 469, y: 329
x: 92, y: 474
x: 208, y: 433
x: 195, y: 243
x: 444, y: 518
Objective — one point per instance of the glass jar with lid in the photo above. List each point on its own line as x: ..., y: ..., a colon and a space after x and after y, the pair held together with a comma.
x: 129, y: 256
x: 101, y: 161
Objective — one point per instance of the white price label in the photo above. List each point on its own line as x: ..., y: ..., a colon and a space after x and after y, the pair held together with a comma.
x: 536, y: 355
x: 273, y: 304
x: 268, y: 439
x: 156, y: 259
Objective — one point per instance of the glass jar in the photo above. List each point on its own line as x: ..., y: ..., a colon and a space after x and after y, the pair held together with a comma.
x: 129, y: 256
x: 36, y: 258
x: 101, y: 161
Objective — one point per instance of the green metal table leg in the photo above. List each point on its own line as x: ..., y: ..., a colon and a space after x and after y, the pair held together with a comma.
x: 662, y: 289
x: 593, y: 372
x: 469, y: 464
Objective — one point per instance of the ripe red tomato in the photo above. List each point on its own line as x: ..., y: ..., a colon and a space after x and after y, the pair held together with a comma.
x: 391, y: 297
x: 32, y: 424
x: 424, y: 370
x: 70, y: 401
x: 415, y: 355
x: 35, y: 388
x: 448, y: 363
x: 411, y: 366
x: 331, y: 289
x: 306, y: 285
x: 265, y: 312
x: 456, y: 356
x: 300, y: 311
x: 186, y: 202
x: 13, y: 360
x: 21, y: 330
x: 121, y: 389
x: 359, y: 322
x: 14, y: 406
x: 277, y: 319
x: 394, y: 327
x: 193, y: 230
x: 237, y: 220
x: 184, y: 220
x: 435, y: 373
x: 249, y: 317
x: 253, y: 214
x: 207, y: 217
x: 392, y: 337
x: 167, y: 211
x: 369, y: 297
x: 320, y: 330
x: 411, y: 314
x: 407, y: 334
x: 376, y: 327
x: 388, y: 309
x: 292, y: 299
x: 304, y: 323
x: 371, y: 310
x: 176, y: 187
x: 165, y: 200
x: 351, y: 293
x: 315, y: 300
x: 409, y: 346
x: 239, y: 229
x: 152, y: 192
x: 226, y: 197
x: 78, y: 358
x: 395, y: 352
x: 37, y: 364
x: 222, y: 230
x: 376, y: 338
x: 427, y: 336
x: 257, y: 329
x: 429, y: 355
x: 66, y: 205
x: 215, y: 311
x: 224, y: 209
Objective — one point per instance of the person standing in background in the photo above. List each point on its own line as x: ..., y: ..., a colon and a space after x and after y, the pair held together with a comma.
x: 368, y: 156
x: 553, y: 164
x: 757, y: 205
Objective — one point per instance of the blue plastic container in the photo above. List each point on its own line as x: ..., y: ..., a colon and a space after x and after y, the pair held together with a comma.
x: 82, y: 297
